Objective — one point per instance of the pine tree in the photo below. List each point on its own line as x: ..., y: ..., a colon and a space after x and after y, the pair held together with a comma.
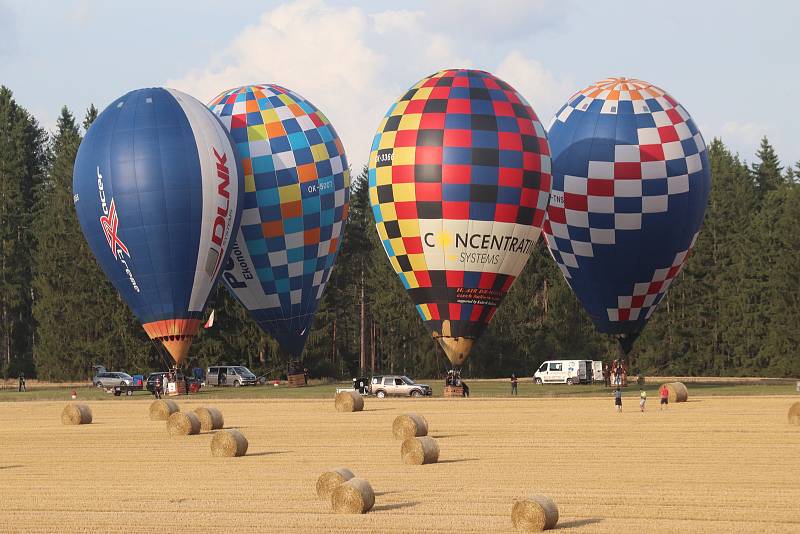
x: 22, y: 145
x: 767, y: 173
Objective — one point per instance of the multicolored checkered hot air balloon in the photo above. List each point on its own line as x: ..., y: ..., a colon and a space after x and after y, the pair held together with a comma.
x: 158, y: 190
x: 459, y: 179
x: 631, y: 180
x: 296, y: 191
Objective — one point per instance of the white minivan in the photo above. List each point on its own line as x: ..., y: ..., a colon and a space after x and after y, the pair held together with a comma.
x: 564, y: 372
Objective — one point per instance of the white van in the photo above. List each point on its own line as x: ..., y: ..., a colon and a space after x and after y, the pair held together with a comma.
x: 597, y: 374
x: 564, y: 372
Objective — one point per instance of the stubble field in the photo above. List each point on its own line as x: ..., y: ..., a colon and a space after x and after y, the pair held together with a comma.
x: 714, y: 464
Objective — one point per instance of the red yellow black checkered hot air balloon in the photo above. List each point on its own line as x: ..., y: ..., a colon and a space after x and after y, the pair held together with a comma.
x: 459, y: 181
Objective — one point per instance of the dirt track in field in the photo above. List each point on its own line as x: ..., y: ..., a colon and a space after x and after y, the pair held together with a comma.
x: 710, y: 465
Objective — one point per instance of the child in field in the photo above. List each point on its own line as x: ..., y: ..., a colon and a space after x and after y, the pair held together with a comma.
x: 642, y: 399
x: 664, y: 392
x: 618, y: 399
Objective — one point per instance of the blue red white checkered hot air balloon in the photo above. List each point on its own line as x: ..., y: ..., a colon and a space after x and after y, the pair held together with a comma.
x: 459, y: 177
x: 631, y: 180
x: 296, y: 183
x: 157, y: 191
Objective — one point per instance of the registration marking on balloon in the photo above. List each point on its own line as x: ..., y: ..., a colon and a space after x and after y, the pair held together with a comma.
x: 630, y: 182
x: 459, y: 182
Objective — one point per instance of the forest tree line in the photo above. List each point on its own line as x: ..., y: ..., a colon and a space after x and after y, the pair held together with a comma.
x: 734, y: 310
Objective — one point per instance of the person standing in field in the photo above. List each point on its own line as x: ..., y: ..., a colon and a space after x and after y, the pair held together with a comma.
x: 618, y: 399
x: 642, y: 399
x: 606, y: 375
x: 513, y: 384
x: 664, y: 392
x: 22, y: 387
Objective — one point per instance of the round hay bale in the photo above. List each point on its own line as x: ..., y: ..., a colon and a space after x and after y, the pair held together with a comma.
x: 349, y: 401
x: 210, y: 418
x: 229, y: 443
x: 534, y: 514
x: 183, y: 424
x: 409, y: 425
x: 354, y: 496
x: 677, y: 392
x: 330, y: 480
x: 420, y: 451
x: 76, y: 414
x: 160, y: 410
x: 794, y: 413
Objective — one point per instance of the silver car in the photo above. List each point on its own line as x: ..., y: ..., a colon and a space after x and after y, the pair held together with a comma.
x: 230, y: 375
x: 381, y: 386
x: 107, y: 380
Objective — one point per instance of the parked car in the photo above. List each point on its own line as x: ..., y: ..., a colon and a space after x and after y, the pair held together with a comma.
x: 109, y: 380
x: 381, y: 386
x: 564, y: 372
x: 235, y: 375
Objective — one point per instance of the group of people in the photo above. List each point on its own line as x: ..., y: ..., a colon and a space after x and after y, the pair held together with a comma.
x: 663, y: 392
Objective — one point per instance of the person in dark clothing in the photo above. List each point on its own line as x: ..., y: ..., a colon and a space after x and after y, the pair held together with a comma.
x: 22, y: 387
x: 513, y: 384
x: 159, y: 389
x: 606, y: 375
x: 222, y: 379
x: 618, y: 399
x: 466, y: 388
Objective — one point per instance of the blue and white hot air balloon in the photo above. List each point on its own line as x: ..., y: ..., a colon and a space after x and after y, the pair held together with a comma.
x: 157, y: 188
x: 631, y: 180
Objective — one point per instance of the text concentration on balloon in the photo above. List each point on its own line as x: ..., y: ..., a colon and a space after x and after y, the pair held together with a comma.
x: 486, y: 246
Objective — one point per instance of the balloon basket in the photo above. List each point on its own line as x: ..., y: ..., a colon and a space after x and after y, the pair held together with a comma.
x: 297, y: 380
x: 453, y: 391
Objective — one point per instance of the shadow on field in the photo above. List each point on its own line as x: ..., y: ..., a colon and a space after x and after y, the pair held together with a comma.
x: 578, y: 522
x: 398, y: 506
x: 376, y: 409
x: 382, y: 493
x: 458, y: 460
x: 10, y: 466
x: 443, y: 436
x: 268, y: 453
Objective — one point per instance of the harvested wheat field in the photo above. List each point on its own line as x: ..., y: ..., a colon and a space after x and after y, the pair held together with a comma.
x: 708, y: 465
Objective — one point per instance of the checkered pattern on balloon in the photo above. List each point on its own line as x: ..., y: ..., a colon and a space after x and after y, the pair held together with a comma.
x: 295, y: 203
x: 460, y: 151
x: 630, y: 184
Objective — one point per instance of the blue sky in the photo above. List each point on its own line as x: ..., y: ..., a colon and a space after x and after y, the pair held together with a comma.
x: 733, y: 64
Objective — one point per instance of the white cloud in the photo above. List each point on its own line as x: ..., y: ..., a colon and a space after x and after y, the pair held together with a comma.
x: 543, y: 90
x: 79, y: 12
x: 748, y: 133
x: 498, y: 20
x: 352, y: 64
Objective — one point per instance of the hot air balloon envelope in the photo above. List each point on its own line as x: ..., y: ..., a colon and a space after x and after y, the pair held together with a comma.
x: 630, y: 183
x: 296, y: 183
x: 156, y: 188
x: 459, y: 179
